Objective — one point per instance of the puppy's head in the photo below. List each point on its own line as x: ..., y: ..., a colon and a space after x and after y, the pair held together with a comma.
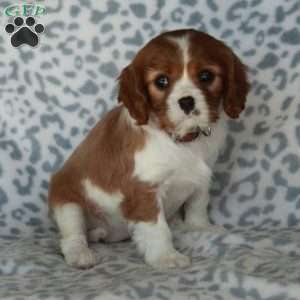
x: 181, y: 80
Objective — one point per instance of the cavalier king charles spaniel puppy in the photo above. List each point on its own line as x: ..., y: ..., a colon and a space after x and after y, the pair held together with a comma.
x: 152, y: 154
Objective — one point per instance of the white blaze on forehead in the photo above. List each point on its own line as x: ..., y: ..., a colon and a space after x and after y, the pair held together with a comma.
x: 184, y: 87
x: 183, y: 44
x: 184, y: 84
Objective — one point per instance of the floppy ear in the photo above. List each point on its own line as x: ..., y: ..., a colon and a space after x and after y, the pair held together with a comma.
x: 236, y: 87
x: 132, y: 93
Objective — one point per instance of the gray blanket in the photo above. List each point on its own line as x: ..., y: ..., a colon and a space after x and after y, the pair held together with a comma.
x: 51, y: 95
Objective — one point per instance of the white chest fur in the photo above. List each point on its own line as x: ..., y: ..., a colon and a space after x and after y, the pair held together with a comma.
x: 177, y: 169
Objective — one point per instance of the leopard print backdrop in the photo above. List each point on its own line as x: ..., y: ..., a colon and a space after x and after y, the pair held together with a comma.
x: 52, y: 95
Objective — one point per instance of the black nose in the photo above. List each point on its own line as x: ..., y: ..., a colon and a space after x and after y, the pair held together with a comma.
x: 187, y: 104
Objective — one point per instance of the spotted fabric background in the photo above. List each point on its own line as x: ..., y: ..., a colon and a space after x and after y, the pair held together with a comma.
x: 51, y: 95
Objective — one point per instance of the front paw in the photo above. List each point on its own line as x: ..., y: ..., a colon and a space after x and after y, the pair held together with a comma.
x: 77, y: 253
x: 172, y: 259
x: 83, y: 258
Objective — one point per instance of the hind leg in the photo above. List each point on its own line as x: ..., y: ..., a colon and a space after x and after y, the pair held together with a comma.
x: 97, y: 234
x: 71, y: 223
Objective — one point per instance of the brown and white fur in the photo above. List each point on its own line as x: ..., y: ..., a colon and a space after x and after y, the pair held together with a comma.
x: 148, y: 157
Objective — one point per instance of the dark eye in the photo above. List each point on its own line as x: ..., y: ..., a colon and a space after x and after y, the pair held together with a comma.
x: 206, y: 76
x: 161, y: 82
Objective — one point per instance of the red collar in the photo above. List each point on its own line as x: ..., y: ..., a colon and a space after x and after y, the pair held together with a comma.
x: 189, y: 137
x: 192, y: 136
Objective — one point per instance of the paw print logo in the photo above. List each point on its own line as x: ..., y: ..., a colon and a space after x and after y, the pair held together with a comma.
x: 24, y: 33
